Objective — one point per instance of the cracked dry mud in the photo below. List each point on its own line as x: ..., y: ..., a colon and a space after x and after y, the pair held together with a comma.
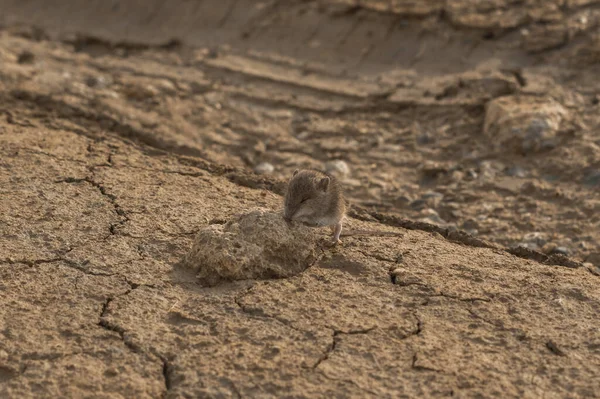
x: 127, y: 130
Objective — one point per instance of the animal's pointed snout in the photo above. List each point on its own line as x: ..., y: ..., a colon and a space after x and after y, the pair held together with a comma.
x: 288, y: 215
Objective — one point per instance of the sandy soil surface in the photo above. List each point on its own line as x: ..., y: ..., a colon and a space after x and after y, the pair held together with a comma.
x: 466, y: 130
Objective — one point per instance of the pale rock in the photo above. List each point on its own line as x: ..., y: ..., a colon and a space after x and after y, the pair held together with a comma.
x: 523, y: 124
x: 337, y: 168
x: 264, y: 168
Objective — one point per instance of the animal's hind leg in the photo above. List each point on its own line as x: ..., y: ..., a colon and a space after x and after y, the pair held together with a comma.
x: 337, y: 230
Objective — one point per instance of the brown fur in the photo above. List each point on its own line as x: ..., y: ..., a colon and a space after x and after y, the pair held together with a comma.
x: 305, y: 194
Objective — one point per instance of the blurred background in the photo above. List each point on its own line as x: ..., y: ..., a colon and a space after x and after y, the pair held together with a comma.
x: 472, y: 115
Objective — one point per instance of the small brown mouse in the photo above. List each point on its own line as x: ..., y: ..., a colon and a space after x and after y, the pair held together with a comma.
x: 316, y: 199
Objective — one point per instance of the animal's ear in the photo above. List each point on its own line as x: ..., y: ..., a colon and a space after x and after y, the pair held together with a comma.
x: 323, y: 184
x: 295, y: 172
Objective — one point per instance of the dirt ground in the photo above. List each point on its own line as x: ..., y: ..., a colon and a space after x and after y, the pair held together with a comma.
x: 467, y: 130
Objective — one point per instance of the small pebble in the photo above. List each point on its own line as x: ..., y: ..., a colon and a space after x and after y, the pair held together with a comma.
x: 529, y: 245
x: 401, y: 276
x: 516, y: 171
x: 471, y: 173
x: 453, y: 205
x: 535, y: 237
x: 166, y: 86
x: 457, y: 175
x: 99, y: 82
x: 264, y: 168
x: 337, y: 168
x: 431, y: 216
x: 487, y: 169
x: 457, y: 214
x: 432, y: 198
x: 208, y: 53
x: 111, y: 372
x: 213, y: 99
x: 303, y: 135
x: 561, y: 251
x: 140, y: 92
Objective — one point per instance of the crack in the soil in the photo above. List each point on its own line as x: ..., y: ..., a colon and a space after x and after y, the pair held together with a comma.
x: 394, y: 280
x: 168, y: 171
x: 355, y: 332
x: 458, y: 298
x: 115, y: 327
x: 330, y: 348
x: 113, y: 200
x: 124, y: 218
x: 552, y: 347
x: 47, y: 154
x: 479, y: 317
x: 594, y: 270
x: 58, y: 355
x: 415, y: 366
x: 68, y: 263
x: 460, y: 237
x: 121, y: 331
x: 334, y: 341
x: 419, y: 328
x: 74, y: 265
x: 438, y: 295
x: 518, y: 334
x: 166, y: 371
x: 235, y: 389
x: 260, y: 314
x: 334, y: 336
x: 31, y: 262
